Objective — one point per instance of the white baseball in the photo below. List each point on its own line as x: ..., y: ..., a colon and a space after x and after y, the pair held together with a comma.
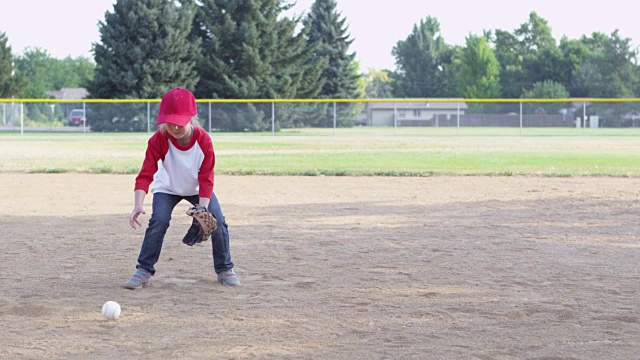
x: 111, y: 310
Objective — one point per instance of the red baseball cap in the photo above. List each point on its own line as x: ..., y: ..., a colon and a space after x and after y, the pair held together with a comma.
x: 178, y: 106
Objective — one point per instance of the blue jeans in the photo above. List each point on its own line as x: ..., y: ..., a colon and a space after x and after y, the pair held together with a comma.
x: 163, y: 205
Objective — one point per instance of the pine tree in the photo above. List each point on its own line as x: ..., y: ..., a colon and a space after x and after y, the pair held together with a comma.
x: 10, y: 84
x: 329, y: 39
x: 144, y: 50
x: 329, y: 42
x: 249, y: 52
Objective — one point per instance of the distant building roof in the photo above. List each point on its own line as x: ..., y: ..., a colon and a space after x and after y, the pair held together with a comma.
x: 440, y: 104
x: 580, y: 104
x: 69, y: 93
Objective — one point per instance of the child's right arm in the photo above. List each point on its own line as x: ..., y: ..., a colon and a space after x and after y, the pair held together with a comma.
x: 138, y: 208
x: 157, y: 148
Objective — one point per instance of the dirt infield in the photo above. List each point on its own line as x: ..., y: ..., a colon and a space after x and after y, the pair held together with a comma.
x: 332, y: 268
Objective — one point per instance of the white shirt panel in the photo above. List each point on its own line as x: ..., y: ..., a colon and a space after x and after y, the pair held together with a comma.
x: 178, y: 174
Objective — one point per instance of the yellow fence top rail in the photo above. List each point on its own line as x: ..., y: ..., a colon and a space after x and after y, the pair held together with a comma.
x: 403, y: 100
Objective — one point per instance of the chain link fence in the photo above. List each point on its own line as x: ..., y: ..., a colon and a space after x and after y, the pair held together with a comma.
x: 327, y: 117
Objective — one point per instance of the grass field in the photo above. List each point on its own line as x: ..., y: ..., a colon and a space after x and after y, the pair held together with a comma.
x: 359, y: 151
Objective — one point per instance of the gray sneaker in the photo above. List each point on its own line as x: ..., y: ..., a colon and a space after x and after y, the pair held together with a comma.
x: 141, y: 278
x: 228, y: 278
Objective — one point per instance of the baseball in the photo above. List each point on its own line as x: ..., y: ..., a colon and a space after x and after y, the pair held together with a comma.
x: 111, y: 310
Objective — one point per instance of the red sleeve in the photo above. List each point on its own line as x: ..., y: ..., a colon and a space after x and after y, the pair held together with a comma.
x: 205, y: 175
x: 157, y: 148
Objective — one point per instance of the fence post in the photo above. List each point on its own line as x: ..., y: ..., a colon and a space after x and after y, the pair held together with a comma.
x: 334, y: 119
x: 584, y: 118
x: 4, y: 114
x: 273, y: 119
x: 209, y: 116
x: 520, y: 118
x: 458, y: 120
x: 84, y: 123
x: 148, y: 117
x: 395, y: 117
x: 21, y: 118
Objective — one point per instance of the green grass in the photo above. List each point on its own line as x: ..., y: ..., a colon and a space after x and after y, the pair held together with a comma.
x: 361, y: 151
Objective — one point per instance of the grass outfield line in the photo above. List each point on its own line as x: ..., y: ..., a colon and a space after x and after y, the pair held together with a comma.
x: 351, y: 152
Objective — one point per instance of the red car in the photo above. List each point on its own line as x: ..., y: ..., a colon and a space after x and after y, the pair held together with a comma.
x: 76, y: 117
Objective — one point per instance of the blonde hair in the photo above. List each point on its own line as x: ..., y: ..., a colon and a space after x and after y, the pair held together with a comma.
x: 195, y: 122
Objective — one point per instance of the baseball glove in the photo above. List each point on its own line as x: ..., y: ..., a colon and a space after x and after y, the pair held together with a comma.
x: 204, y: 223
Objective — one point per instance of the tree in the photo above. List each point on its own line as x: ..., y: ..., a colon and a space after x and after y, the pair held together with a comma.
x: 250, y: 52
x: 42, y: 72
x: 77, y: 72
x: 329, y: 39
x: 535, y: 34
x: 479, y: 76
x: 527, y: 56
x: 513, y: 78
x: 378, y: 84
x: 608, y: 69
x: 144, y: 51
x: 574, y: 56
x: 10, y: 83
x: 421, y: 60
x: 547, y: 89
x: 328, y: 42
x: 38, y: 66
x: 45, y: 73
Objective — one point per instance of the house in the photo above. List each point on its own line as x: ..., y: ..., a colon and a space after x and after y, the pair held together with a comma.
x: 630, y: 119
x: 69, y: 94
x: 418, y: 113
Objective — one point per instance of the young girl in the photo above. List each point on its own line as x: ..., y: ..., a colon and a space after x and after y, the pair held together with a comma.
x: 179, y: 161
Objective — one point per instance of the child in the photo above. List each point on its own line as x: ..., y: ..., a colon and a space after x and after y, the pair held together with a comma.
x: 179, y: 161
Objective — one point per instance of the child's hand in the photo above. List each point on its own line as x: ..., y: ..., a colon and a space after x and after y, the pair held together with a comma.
x: 133, y: 218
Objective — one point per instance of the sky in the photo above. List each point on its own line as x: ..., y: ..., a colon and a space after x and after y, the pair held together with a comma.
x: 70, y: 27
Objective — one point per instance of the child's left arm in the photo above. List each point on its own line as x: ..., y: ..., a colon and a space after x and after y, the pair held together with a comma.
x: 204, y: 201
x: 205, y: 174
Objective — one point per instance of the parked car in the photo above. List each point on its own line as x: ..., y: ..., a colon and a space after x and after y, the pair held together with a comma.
x: 76, y: 117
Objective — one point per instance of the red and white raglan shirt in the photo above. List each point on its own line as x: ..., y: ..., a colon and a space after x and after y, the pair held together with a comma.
x: 176, y: 169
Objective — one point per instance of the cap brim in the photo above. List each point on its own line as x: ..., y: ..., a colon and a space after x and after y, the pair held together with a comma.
x: 180, y: 120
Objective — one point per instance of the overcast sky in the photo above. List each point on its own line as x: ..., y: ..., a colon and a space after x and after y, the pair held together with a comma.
x: 69, y: 27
